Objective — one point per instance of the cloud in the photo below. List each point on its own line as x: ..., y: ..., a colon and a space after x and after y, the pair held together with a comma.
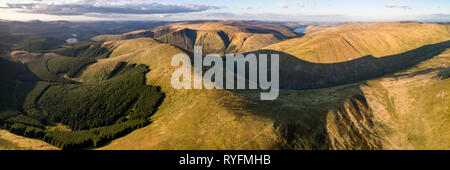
x: 260, y: 16
x: 81, y: 7
x: 301, y: 4
x: 403, y: 6
x: 282, y: 4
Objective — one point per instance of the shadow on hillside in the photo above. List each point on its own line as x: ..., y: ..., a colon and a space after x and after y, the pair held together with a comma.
x: 301, y: 116
x: 16, y: 81
x: 299, y: 74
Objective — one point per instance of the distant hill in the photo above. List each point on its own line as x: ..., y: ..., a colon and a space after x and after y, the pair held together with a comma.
x: 215, y: 37
x: 124, y: 36
x: 40, y: 43
x: 222, y: 37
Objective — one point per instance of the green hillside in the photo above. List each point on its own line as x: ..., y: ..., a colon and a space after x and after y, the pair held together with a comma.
x: 39, y: 43
x: 86, y: 50
x: 37, y: 99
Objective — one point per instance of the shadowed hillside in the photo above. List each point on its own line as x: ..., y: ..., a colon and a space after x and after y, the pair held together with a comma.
x: 296, y: 73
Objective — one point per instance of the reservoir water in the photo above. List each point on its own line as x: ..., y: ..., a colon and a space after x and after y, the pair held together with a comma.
x: 300, y: 30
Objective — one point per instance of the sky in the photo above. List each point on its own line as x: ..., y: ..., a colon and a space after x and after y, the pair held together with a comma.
x: 265, y: 10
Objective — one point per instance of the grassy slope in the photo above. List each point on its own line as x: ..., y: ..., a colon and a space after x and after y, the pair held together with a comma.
x: 10, y: 141
x: 307, y: 119
x: 352, y: 41
x: 414, y: 105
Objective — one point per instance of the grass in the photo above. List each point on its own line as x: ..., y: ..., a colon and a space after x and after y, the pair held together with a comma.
x: 352, y: 41
x: 9, y: 141
x: 8, y: 145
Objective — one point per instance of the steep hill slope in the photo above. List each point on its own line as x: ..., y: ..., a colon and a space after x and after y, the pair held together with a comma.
x: 359, y: 115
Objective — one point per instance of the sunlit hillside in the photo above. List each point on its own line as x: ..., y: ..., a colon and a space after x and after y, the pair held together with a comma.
x: 351, y: 41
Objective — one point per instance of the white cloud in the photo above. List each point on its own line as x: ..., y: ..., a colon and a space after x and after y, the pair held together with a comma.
x: 283, y: 4
x: 80, y: 7
x: 301, y: 4
x: 403, y: 6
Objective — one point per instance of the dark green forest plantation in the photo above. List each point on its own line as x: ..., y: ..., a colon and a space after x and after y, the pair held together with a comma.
x: 41, y: 100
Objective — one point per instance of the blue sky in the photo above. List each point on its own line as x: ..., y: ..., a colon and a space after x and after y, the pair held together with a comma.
x: 269, y: 10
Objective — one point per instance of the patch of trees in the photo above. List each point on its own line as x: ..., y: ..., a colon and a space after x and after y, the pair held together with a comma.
x: 39, y: 43
x: 67, y: 65
x: 87, y: 50
x: 40, y: 69
x: 31, y: 99
x: 34, y: 97
x: 93, y: 137
x: 51, y: 69
x: 20, y: 124
x: 89, y: 106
